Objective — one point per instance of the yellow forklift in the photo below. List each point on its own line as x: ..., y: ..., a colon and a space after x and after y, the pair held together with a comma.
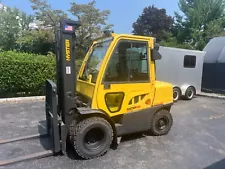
x: 115, y: 93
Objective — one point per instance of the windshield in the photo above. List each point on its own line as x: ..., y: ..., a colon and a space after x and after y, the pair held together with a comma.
x: 95, y: 59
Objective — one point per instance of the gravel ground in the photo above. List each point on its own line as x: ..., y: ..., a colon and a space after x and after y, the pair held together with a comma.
x: 196, y: 140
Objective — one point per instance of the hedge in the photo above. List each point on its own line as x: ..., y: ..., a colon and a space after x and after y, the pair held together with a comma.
x: 23, y: 74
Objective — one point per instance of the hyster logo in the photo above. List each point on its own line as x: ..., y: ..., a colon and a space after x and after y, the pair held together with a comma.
x: 67, y: 50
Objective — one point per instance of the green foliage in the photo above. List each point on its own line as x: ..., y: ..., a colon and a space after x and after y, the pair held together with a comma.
x: 199, y: 21
x: 92, y: 19
x: 153, y: 22
x: 93, y: 22
x: 44, y: 12
x: 23, y: 74
x: 36, y: 41
x: 202, y: 20
x: 16, y: 34
x: 12, y: 22
x: 171, y: 41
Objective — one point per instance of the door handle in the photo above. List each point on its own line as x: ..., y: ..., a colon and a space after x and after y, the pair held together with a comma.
x: 107, y: 86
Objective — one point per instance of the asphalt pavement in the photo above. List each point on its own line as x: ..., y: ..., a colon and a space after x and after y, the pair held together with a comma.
x: 196, y: 140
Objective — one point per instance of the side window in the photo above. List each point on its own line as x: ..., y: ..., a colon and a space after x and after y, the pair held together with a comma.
x: 189, y: 61
x: 128, y: 63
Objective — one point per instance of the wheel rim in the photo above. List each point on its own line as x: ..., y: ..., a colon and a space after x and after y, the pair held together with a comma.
x: 162, y: 123
x: 94, y: 139
x: 175, y: 95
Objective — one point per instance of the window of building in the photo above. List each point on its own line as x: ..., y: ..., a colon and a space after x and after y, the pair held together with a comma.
x: 189, y: 61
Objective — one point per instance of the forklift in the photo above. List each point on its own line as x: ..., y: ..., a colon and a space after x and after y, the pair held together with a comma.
x: 114, y: 93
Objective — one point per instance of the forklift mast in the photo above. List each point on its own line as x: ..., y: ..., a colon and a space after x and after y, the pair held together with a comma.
x: 60, y: 99
x: 66, y: 69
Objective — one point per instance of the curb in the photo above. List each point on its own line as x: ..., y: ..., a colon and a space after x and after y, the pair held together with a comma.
x: 211, y: 95
x: 22, y: 99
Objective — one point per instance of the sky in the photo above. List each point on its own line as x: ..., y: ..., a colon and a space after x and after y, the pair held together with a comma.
x: 123, y: 12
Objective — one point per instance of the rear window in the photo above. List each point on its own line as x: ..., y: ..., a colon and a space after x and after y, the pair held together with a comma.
x: 189, y: 61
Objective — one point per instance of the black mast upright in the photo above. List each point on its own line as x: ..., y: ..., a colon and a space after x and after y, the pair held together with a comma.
x: 66, y: 70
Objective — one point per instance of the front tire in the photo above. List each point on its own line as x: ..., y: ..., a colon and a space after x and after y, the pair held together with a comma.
x: 161, y: 123
x: 92, y: 137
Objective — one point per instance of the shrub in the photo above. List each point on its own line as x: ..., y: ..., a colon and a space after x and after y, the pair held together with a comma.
x: 23, y: 74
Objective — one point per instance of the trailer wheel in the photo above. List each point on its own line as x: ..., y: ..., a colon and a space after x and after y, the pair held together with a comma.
x: 176, y: 94
x: 93, y: 137
x: 161, y: 123
x: 190, y: 92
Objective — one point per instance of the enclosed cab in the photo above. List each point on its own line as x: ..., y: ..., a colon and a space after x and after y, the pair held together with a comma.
x: 122, y: 67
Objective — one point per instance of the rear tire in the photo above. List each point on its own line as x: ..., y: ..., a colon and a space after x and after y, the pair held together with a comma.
x: 190, y: 93
x: 161, y: 123
x: 176, y: 94
x: 92, y: 137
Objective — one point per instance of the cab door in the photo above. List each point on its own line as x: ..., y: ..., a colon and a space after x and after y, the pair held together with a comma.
x: 127, y: 81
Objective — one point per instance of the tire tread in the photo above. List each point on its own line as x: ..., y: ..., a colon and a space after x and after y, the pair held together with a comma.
x: 82, y: 124
x: 162, y: 111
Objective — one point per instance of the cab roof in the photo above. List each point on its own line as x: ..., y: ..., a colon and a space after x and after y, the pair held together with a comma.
x: 132, y: 36
x: 105, y: 36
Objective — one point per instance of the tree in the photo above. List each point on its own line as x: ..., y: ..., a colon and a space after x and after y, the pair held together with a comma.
x: 201, y: 21
x: 36, y: 41
x: 153, y: 22
x: 92, y: 19
x: 93, y: 22
x: 171, y: 41
x: 12, y: 23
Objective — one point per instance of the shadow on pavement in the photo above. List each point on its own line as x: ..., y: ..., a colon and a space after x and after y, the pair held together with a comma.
x: 218, y: 165
x: 47, y: 144
x: 131, y: 137
x: 70, y: 152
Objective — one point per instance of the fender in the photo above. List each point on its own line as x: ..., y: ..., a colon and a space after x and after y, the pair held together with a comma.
x: 90, y: 111
x: 184, y: 88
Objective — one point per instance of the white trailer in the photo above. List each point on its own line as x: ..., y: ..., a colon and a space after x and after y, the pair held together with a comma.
x: 182, y: 68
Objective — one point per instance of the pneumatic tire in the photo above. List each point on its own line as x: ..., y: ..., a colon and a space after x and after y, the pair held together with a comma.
x: 190, y: 93
x: 92, y: 137
x: 161, y: 123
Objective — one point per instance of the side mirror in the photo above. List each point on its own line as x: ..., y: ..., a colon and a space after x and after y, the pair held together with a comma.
x: 155, y: 52
x: 155, y: 55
